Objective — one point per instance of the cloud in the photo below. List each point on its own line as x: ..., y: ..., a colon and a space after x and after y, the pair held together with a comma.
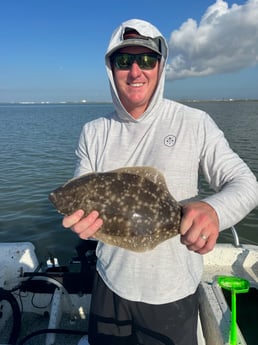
x: 226, y: 40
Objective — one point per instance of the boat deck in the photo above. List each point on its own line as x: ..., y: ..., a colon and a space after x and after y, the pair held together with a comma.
x: 66, y: 312
x: 225, y: 260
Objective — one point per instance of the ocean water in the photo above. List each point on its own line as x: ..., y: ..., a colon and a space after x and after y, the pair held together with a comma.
x: 37, y: 155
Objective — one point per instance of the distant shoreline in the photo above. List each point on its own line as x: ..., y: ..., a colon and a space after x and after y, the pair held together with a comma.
x: 54, y: 103
x: 109, y: 102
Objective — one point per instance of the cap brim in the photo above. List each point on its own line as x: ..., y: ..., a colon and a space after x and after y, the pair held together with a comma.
x: 139, y: 42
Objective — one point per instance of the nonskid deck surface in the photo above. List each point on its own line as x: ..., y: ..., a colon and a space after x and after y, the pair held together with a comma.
x: 69, y: 332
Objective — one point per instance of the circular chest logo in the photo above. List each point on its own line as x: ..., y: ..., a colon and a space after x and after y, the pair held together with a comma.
x: 170, y: 140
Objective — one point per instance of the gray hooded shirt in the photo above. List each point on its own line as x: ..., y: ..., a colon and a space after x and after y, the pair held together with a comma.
x: 178, y: 141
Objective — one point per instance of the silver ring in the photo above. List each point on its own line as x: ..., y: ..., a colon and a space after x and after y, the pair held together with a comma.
x: 204, y: 237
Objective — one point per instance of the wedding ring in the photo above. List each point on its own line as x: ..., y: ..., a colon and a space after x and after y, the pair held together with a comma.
x: 204, y: 237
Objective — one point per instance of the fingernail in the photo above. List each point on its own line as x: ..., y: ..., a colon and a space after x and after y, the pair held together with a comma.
x: 80, y: 213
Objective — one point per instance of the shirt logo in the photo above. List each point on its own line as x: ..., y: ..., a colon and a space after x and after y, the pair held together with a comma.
x: 170, y: 140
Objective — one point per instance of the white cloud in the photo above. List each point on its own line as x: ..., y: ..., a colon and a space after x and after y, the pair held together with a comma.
x: 225, y: 40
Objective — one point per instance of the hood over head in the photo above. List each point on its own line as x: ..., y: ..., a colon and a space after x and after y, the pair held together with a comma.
x: 137, y: 32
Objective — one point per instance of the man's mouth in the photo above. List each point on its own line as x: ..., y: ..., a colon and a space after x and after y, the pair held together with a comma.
x: 136, y: 84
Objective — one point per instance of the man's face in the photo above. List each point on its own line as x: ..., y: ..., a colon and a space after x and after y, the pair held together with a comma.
x: 136, y: 86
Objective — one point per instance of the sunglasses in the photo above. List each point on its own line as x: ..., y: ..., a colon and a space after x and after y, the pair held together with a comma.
x: 124, y: 61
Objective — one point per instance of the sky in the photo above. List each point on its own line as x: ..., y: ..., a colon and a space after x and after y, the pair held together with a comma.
x: 53, y: 50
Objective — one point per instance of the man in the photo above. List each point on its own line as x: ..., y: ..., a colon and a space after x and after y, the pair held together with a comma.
x: 151, y: 297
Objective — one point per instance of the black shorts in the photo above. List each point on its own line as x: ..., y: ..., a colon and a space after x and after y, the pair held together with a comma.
x: 117, y: 321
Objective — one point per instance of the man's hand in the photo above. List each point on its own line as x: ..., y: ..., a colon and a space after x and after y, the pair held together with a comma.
x: 199, y: 227
x: 84, y: 227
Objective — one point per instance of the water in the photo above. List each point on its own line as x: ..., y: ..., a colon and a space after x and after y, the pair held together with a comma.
x: 37, y: 155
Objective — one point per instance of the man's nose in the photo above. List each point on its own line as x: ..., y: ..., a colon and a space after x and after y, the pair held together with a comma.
x: 135, y: 70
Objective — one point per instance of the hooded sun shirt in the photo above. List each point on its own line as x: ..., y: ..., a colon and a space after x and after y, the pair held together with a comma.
x: 117, y: 41
x: 178, y: 141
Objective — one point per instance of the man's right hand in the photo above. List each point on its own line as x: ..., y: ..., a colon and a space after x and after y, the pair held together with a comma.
x: 84, y: 227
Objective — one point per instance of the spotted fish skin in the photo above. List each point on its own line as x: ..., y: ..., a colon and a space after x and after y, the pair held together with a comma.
x: 134, y: 202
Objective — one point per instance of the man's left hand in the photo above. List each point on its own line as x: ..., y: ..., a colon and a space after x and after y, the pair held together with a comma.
x: 199, y: 227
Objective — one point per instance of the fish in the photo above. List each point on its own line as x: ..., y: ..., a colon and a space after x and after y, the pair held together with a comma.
x: 135, y: 204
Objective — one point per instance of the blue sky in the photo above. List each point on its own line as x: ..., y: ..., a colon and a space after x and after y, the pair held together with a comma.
x: 53, y: 50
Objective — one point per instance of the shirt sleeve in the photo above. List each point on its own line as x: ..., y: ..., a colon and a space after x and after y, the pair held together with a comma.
x: 83, y: 162
x: 235, y: 185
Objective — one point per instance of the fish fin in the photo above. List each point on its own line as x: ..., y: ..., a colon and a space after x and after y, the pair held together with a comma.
x: 150, y: 173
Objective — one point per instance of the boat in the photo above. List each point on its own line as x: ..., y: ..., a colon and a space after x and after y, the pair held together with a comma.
x: 234, y: 261
x: 49, y: 304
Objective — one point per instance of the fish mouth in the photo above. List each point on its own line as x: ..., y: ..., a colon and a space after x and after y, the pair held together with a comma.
x: 52, y: 198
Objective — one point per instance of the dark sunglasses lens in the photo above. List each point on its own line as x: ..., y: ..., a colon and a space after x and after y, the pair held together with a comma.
x: 146, y: 61
x: 125, y: 61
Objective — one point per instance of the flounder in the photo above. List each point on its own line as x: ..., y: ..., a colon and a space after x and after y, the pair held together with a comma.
x: 134, y: 202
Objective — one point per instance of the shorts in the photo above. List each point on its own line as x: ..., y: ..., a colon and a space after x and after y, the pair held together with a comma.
x: 116, y: 321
